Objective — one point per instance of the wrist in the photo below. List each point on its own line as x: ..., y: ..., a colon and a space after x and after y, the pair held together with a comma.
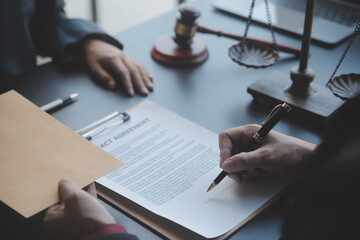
x: 313, y: 154
x: 89, y: 44
x: 311, y: 150
x: 310, y: 157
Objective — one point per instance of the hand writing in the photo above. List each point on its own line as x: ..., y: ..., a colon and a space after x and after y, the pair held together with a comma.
x: 278, y: 153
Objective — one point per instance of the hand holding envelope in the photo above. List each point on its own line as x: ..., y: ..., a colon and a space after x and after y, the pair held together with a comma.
x: 36, y: 151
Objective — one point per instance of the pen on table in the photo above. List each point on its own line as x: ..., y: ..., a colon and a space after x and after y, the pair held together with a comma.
x: 272, y: 119
x: 59, y: 102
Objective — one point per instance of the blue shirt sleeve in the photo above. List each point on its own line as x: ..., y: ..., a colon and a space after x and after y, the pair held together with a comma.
x: 59, y: 36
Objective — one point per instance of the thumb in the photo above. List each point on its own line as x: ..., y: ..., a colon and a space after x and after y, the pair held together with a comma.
x: 242, y: 161
x: 67, y: 189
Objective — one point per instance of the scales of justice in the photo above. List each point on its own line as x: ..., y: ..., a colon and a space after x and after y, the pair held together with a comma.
x: 308, y: 99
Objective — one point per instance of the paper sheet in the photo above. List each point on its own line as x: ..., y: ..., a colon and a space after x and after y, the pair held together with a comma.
x: 169, y: 164
x: 36, y: 151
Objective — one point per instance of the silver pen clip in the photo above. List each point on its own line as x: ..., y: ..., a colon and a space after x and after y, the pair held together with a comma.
x: 99, y: 126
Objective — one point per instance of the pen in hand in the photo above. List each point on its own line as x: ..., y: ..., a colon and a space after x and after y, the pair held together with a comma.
x: 59, y: 103
x: 272, y: 119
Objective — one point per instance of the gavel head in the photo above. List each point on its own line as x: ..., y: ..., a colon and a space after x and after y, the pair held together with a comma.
x: 181, y: 49
x: 185, y: 27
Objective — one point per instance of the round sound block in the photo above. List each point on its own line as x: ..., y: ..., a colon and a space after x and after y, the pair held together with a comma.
x: 167, y: 52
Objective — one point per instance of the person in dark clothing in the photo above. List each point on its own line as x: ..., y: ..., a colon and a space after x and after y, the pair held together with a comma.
x: 29, y: 28
x: 327, y: 203
x: 326, y: 176
x: 40, y: 27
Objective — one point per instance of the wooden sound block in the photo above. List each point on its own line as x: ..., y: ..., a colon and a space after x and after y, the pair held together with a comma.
x: 167, y: 52
x: 319, y: 105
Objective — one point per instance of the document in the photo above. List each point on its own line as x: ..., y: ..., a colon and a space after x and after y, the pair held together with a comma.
x: 169, y: 162
x: 36, y: 151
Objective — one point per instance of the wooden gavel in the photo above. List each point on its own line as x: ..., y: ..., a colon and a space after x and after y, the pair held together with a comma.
x: 184, y: 49
x: 186, y: 27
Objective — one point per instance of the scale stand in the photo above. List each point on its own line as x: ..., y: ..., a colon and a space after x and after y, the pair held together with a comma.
x: 312, y: 101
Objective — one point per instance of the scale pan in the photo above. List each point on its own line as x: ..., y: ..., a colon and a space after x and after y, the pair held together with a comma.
x: 253, y: 55
x: 346, y: 86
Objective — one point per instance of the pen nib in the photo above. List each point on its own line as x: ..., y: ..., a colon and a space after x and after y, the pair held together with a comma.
x: 211, y: 186
x: 74, y: 95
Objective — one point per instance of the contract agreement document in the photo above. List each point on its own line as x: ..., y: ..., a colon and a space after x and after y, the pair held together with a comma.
x: 169, y: 162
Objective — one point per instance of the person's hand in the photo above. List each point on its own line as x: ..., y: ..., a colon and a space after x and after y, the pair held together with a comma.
x: 280, y: 154
x: 113, y: 68
x: 77, y: 213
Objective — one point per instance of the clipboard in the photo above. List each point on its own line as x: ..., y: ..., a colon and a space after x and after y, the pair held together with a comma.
x: 102, y: 124
x: 161, y: 225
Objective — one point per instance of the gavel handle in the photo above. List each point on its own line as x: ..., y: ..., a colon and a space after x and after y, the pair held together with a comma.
x: 281, y: 47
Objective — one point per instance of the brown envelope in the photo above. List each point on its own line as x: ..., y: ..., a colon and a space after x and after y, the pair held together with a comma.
x: 36, y: 151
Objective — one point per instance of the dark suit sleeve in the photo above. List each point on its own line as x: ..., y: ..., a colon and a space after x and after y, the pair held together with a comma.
x: 326, y: 202
x: 60, y: 37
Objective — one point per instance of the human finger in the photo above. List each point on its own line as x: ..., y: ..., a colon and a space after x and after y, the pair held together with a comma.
x: 102, y: 75
x: 148, y: 80
x: 237, y: 177
x: 136, y: 76
x: 67, y: 189
x: 243, y: 161
x: 233, y: 140
x: 54, y: 212
x: 118, y: 66
x: 250, y: 174
x: 240, y: 177
x: 225, y: 146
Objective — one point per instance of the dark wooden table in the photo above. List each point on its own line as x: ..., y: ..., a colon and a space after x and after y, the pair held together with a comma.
x: 213, y: 94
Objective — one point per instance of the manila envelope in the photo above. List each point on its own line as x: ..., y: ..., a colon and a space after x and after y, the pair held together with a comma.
x: 36, y: 151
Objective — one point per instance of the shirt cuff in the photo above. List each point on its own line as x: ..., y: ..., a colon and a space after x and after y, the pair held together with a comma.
x: 313, y: 158
x: 103, y: 37
x: 103, y: 230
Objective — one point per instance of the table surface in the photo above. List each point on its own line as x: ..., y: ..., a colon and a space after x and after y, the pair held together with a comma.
x: 213, y: 94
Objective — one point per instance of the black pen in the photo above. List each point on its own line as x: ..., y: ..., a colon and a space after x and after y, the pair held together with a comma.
x: 272, y: 119
x: 59, y: 102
